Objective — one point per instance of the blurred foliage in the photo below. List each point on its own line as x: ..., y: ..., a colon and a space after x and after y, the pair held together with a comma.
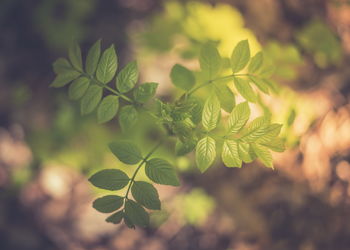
x: 318, y: 40
x: 62, y: 20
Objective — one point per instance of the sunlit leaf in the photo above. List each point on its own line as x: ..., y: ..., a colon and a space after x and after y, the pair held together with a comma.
x: 210, y: 60
x: 244, y: 88
x: 240, y: 56
x: 64, y: 78
x: 230, y: 155
x: 211, y: 113
x: 238, y: 118
x: 255, y: 63
x: 260, y: 83
x: 205, y: 153
x: 263, y: 154
x: 226, y: 97
x: 245, y: 152
x: 182, y: 77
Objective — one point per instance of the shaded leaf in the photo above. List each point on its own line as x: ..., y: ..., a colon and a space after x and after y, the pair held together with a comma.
x: 160, y: 171
x: 145, y: 91
x: 128, y: 117
x: 78, y: 88
x: 91, y: 99
x: 145, y: 194
x: 108, y: 203
x: 108, y: 108
x: 127, y: 77
x: 115, y: 218
x: 61, y: 65
x: 93, y: 58
x: 107, y: 65
x: 210, y: 60
x: 64, y: 78
x: 126, y: 152
x: 136, y: 213
x: 74, y: 54
x: 182, y: 77
x: 227, y: 99
x: 244, y: 88
x: 109, y: 179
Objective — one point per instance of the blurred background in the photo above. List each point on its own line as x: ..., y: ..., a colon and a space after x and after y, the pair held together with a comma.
x: 47, y: 150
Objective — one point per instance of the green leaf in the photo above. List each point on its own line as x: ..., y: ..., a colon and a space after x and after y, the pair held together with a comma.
x: 78, y: 88
x: 136, y: 213
x: 183, y: 148
x: 91, y: 99
x: 145, y: 194
x: 128, y: 222
x: 255, y: 63
x: 230, y: 155
x: 238, y: 118
x: 109, y: 179
x: 196, y: 112
x: 260, y: 83
x: 115, y: 218
x: 182, y: 77
x: 127, y: 77
x: 126, y: 152
x: 240, y: 56
x: 107, y: 65
x: 205, y: 153
x: 61, y: 65
x: 227, y: 99
x: 263, y: 154
x: 108, y: 108
x: 145, y: 91
x: 271, y: 131
x: 64, y: 78
x: 211, y: 113
x: 160, y: 171
x: 275, y: 144
x: 74, y: 54
x: 245, y: 152
x: 108, y: 203
x: 128, y: 117
x: 210, y: 60
x: 93, y: 57
x: 257, y: 128
x: 244, y: 88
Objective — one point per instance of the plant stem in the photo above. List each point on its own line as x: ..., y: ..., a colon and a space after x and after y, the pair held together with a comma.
x: 214, y: 80
x: 139, y: 166
x: 108, y: 88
